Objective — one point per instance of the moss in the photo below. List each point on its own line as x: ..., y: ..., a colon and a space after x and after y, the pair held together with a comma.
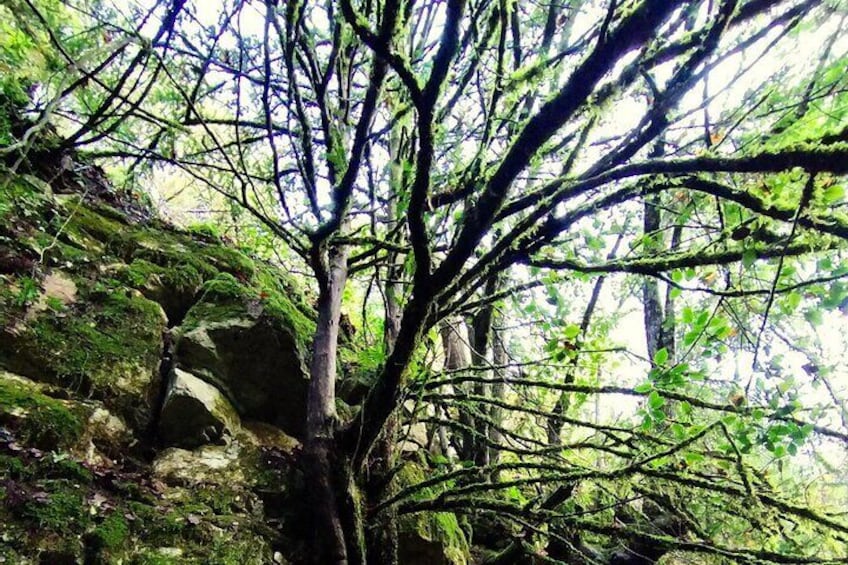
x: 222, y: 298
x: 61, y: 509
x: 210, y: 525
x: 442, y: 528
x: 205, y: 230
x: 138, y: 274
x: 225, y: 297
x: 11, y: 467
x: 111, y: 534
x: 142, y: 274
x: 38, y: 419
x: 94, y: 226
x: 227, y: 260
x: 173, y: 257
x: 225, y: 288
x: 22, y: 197
x: 63, y: 468
x: 90, y: 230
x: 155, y: 557
x: 109, y: 212
x: 286, y: 302
x: 178, y: 251
x: 226, y: 550
x: 108, y: 345
x: 109, y: 330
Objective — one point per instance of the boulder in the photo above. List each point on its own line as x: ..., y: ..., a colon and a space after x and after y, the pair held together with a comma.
x: 245, y: 460
x: 428, y: 538
x: 102, y: 343
x: 252, y: 355
x: 194, y: 413
x: 210, y: 464
x: 45, y: 417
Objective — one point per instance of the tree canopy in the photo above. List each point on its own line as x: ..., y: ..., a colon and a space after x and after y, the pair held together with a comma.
x: 593, y: 253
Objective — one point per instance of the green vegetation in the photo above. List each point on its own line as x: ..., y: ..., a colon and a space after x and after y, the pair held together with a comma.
x: 36, y: 418
x: 576, y: 279
x: 441, y: 528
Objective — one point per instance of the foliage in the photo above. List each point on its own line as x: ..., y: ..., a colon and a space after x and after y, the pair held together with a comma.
x: 637, y: 209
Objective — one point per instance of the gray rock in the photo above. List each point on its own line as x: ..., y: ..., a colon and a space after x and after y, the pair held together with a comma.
x: 195, y: 413
x: 254, y: 360
x: 210, y: 464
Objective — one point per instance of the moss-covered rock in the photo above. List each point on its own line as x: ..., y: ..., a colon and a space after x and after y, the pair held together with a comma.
x: 47, y: 418
x: 89, y: 295
x: 36, y: 418
x: 108, y: 344
x: 194, y: 413
x: 251, y: 349
x: 429, y: 538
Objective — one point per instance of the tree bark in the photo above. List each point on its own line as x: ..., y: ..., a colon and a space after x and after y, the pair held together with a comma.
x: 458, y: 356
x: 381, y: 537
x: 323, y: 469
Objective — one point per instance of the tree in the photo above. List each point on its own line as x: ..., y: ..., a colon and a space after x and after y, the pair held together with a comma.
x: 485, y: 160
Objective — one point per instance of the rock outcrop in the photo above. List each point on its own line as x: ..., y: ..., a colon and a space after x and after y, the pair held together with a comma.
x: 195, y: 413
x: 249, y: 350
x: 153, y: 388
x: 150, y: 382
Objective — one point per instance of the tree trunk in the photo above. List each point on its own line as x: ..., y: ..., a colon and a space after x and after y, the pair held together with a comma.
x: 324, y: 471
x: 458, y: 356
x: 381, y: 536
x: 480, y: 329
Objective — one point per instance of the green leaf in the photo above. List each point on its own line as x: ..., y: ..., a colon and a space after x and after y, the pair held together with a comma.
x: 793, y: 300
x: 692, y: 458
x: 749, y: 256
x: 833, y: 194
x: 661, y: 356
x: 655, y: 401
x: 571, y: 331
x: 814, y: 316
x: 643, y: 388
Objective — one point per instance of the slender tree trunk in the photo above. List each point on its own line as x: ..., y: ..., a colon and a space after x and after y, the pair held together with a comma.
x: 652, y: 306
x: 650, y: 288
x: 480, y: 331
x: 381, y: 536
x: 499, y: 358
x: 458, y: 356
x: 324, y: 470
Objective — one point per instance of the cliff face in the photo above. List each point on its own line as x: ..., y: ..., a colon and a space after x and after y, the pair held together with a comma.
x: 152, y: 388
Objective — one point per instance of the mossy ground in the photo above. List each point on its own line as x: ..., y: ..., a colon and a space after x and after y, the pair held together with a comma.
x: 53, y: 504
